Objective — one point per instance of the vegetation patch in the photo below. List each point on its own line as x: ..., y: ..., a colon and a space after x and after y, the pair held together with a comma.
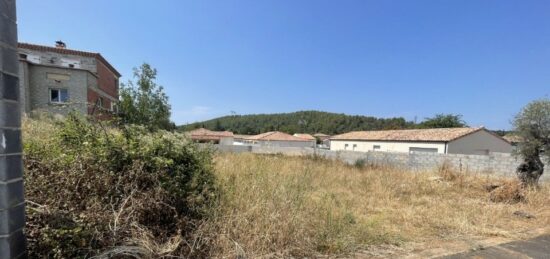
x: 93, y: 190
x: 277, y: 206
x: 132, y: 193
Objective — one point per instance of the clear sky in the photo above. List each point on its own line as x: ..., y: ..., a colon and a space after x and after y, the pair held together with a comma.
x: 482, y: 59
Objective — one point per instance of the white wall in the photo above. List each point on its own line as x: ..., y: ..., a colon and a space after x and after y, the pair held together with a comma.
x: 479, y: 143
x: 226, y: 141
x: 386, y: 146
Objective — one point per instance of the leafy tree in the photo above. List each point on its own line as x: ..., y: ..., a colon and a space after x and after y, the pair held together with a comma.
x: 144, y: 102
x: 444, y: 121
x: 532, y: 125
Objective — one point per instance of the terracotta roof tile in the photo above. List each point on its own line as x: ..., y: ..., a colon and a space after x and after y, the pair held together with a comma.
x: 69, y: 52
x: 275, y: 136
x: 430, y: 135
x: 241, y: 136
x: 304, y: 136
x: 513, y: 138
x: 205, y: 134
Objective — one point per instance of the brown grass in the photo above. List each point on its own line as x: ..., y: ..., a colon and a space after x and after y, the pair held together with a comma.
x: 276, y: 206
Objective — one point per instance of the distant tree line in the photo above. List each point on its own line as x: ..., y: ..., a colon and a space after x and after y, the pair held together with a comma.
x: 318, y: 122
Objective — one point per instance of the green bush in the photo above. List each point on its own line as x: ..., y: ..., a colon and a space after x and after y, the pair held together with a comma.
x: 91, y: 187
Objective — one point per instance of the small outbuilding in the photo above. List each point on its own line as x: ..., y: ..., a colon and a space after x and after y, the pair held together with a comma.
x: 477, y: 141
x: 208, y: 136
x: 279, y: 139
x: 324, y: 139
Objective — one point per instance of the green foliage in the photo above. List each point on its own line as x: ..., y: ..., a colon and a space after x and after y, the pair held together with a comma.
x: 144, y: 102
x: 91, y: 188
x: 443, y: 121
x: 532, y: 125
x: 299, y: 122
x: 360, y: 163
x: 502, y: 133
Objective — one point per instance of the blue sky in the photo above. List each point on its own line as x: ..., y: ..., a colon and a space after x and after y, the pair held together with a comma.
x: 482, y: 59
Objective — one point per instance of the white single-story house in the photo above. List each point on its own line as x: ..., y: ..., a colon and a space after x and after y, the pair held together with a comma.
x: 478, y: 141
x: 279, y: 139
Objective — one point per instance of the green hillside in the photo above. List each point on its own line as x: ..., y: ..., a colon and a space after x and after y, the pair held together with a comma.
x: 299, y: 122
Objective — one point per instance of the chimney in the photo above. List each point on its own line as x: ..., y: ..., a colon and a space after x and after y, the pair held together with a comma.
x: 60, y: 44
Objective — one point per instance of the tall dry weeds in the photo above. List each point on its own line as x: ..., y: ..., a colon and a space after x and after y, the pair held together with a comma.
x: 276, y: 206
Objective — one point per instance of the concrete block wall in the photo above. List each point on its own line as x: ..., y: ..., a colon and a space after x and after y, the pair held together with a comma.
x: 40, y: 85
x: 12, y: 203
x: 499, y: 164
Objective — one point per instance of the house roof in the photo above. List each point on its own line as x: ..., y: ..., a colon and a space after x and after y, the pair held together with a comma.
x: 275, y: 136
x: 241, y: 136
x: 304, y: 136
x: 429, y: 135
x: 320, y: 135
x: 512, y: 138
x: 69, y: 52
x: 205, y: 134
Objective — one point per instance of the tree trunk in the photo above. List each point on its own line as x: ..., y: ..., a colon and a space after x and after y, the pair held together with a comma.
x: 530, y: 171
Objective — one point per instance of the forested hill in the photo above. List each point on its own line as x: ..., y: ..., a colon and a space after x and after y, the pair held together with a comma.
x: 299, y: 122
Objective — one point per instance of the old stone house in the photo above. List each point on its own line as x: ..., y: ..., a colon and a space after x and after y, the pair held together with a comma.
x: 59, y: 80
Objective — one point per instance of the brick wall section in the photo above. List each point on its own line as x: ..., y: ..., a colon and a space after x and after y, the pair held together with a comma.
x: 12, y: 203
x: 100, y: 112
x: 108, y: 82
x: 498, y: 164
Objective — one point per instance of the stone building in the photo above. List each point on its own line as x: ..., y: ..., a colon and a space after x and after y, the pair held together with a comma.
x: 58, y: 80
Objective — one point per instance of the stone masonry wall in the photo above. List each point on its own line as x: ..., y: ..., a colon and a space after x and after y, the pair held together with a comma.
x: 12, y: 203
x: 500, y: 164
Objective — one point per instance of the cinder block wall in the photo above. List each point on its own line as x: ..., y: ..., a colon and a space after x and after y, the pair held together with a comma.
x: 12, y: 204
x: 499, y: 164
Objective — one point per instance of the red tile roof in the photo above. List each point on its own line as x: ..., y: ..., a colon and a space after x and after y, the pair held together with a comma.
x: 304, y: 136
x: 275, y: 136
x: 512, y: 138
x: 69, y: 52
x: 205, y: 134
x: 430, y: 135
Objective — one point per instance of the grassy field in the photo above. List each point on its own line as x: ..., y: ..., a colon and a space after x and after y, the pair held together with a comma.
x: 92, y: 191
x: 276, y: 206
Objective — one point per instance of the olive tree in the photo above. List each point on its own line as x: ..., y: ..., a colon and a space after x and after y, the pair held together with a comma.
x: 532, y: 124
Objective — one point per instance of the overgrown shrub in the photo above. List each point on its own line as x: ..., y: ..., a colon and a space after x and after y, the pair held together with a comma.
x: 91, y: 188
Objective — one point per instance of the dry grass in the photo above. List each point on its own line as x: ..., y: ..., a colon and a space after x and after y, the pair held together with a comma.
x: 276, y: 206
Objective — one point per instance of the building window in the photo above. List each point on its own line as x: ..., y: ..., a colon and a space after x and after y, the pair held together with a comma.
x: 354, y: 147
x: 70, y: 63
x: 59, y: 95
x: 376, y: 147
x: 100, y: 102
x: 114, y: 107
x: 346, y: 146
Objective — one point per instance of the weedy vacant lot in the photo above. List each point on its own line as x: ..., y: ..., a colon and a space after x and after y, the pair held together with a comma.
x: 131, y: 193
x: 276, y: 206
